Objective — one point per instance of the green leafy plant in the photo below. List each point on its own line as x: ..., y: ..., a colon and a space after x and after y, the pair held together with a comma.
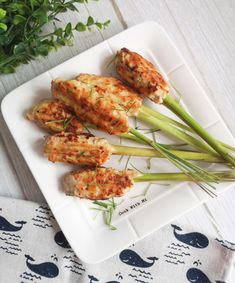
x: 22, y: 33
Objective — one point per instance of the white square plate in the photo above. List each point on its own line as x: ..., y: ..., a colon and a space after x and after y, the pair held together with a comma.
x: 136, y: 216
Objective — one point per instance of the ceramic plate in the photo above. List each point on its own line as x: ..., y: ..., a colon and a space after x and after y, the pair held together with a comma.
x: 137, y: 215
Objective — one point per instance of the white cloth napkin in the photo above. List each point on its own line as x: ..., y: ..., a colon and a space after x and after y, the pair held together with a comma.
x: 33, y: 249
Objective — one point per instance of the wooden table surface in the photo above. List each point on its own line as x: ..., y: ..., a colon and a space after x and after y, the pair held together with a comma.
x: 203, y: 30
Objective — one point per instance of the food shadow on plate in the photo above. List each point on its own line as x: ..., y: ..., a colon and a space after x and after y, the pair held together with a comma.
x: 108, y: 67
x: 39, y: 94
x: 38, y: 145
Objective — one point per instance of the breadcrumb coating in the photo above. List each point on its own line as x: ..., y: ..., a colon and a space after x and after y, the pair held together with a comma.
x: 141, y: 75
x: 91, y: 106
x: 98, y: 183
x: 82, y: 149
x: 115, y: 90
x: 54, y: 116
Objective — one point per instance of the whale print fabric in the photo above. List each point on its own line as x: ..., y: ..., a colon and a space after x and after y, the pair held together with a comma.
x: 34, y: 249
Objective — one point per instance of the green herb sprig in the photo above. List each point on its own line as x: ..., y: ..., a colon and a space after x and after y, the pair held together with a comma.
x: 22, y: 33
x: 107, y: 208
x: 67, y: 122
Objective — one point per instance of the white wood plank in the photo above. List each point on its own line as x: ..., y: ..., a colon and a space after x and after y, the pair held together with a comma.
x: 9, y: 184
x: 223, y: 211
x: 29, y: 188
x: 232, y: 279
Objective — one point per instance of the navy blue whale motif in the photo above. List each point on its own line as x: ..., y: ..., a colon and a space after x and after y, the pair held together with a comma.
x: 7, y: 226
x: 92, y: 279
x: 46, y: 269
x: 61, y: 240
x: 197, y: 276
x: 194, y: 239
x: 132, y: 258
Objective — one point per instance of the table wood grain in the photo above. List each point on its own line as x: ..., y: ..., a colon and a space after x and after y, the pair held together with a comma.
x: 203, y: 30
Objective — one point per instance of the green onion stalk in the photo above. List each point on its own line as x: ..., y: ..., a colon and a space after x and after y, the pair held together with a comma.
x: 175, y: 107
x: 106, y: 182
x: 195, y: 173
x: 212, y: 146
x: 178, y: 158
x: 223, y: 176
x: 174, y: 132
x: 108, y: 207
x: 150, y: 112
x: 149, y: 152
